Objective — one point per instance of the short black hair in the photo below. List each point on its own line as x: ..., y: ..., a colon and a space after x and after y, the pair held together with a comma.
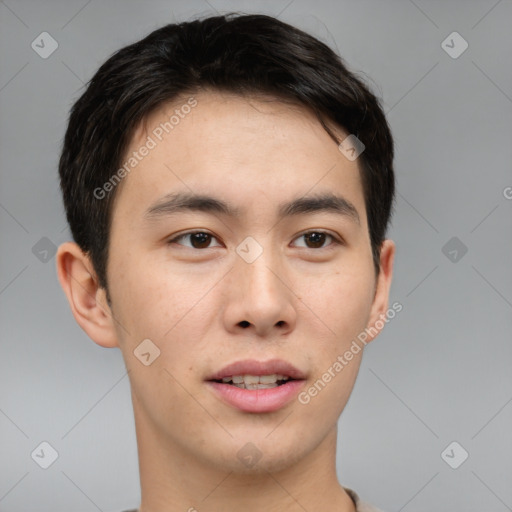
x: 243, y: 54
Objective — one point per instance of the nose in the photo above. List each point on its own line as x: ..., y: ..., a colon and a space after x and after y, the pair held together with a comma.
x: 260, y: 298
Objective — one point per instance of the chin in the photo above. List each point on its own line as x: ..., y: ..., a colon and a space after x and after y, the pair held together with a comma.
x: 258, y: 457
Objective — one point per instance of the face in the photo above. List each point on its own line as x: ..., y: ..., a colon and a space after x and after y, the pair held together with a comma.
x: 248, y: 280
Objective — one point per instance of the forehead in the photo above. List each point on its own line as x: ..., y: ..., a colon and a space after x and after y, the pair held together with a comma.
x: 213, y: 142
x: 256, y: 121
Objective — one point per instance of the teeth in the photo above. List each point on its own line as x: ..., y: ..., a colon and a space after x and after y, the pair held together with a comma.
x: 261, y: 386
x: 269, y: 379
x: 256, y: 386
x: 247, y: 381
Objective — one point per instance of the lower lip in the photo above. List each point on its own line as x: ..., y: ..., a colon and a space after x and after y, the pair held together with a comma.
x: 258, y: 400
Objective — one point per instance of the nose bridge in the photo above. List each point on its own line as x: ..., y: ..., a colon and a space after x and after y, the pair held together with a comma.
x: 257, y: 273
x: 261, y: 297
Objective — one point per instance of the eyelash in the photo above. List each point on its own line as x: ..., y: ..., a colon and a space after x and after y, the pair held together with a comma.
x: 336, y: 241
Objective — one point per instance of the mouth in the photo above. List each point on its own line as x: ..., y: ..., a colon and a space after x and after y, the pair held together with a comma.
x: 255, y: 381
x: 255, y: 386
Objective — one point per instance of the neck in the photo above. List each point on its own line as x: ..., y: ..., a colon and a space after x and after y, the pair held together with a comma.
x: 173, y: 480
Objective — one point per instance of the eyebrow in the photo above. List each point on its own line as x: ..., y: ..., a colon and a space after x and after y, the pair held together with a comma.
x: 181, y: 202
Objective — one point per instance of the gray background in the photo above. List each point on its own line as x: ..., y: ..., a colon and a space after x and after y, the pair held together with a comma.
x: 440, y: 371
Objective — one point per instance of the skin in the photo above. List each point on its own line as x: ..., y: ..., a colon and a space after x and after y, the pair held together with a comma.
x: 301, y: 302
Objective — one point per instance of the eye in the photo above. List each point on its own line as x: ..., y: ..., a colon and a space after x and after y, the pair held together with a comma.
x: 316, y: 239
x: 198, y: 239
x: 202, y: 239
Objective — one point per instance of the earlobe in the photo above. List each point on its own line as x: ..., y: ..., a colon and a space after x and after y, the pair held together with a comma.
x: 86, y: 298
x: 381, y: 300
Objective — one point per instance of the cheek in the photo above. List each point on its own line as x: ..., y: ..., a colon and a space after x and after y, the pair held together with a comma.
x: 147, y: 300
x: 171, y: 310
x: 329, y: 392
x: 344, y: 305
x: 344, y: 300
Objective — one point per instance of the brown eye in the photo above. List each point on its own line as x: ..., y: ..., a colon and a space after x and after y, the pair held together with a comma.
x: 198, y: 240
x: 316, y: 239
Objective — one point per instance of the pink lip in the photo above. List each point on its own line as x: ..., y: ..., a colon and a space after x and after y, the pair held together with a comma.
x: 258, y: 400
x: 254, y: 367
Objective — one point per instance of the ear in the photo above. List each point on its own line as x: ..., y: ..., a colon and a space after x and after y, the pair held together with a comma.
x: 383, y: 285
x: 87, y: 299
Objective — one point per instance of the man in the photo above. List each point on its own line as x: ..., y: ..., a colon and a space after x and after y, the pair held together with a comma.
x: 228, y: 184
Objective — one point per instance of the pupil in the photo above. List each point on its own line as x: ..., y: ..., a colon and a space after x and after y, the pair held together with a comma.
x: 316, y: 238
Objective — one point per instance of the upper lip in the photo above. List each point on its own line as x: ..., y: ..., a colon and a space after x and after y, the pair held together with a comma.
x: 254, y: 367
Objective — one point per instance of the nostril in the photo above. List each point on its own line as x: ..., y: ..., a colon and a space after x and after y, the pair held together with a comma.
x: 244, y: 323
